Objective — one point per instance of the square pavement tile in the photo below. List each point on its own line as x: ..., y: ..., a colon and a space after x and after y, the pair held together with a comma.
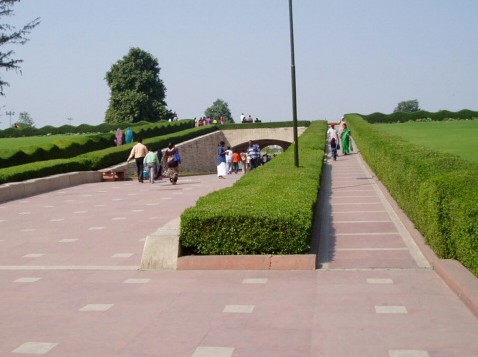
x: 33, y: 255
x: 408, y: 353
x: 136, y: 281
x: 122, y: 255
x: 391, y: 310
x: 379, y: 281
x: 241, y: 309
x: 97, y: 307
x: 213, y: 352
x: 255, y: 281
x: 68, y: 240
x: 37, y: 348
x: 26, y: 280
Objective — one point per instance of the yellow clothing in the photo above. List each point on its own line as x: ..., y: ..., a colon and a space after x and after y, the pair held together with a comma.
x: 138, y: 151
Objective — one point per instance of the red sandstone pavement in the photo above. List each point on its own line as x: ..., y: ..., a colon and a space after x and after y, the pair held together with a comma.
x: 69, y: 283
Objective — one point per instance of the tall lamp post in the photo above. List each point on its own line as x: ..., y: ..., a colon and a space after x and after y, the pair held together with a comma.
x: 10, y: 115
x: 294, y: 99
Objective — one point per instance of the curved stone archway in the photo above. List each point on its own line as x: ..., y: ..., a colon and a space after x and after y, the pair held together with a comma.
x: 199, y: 154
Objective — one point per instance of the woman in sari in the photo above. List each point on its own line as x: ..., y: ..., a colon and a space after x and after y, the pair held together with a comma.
x: 346, y: 140
x: 170, y: 162
x: 221, y: 161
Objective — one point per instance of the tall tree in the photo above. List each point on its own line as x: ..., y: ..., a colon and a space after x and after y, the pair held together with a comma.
x: 218, y: 109
x: 407, y: 106
x: 25, y: 120
x: 9, y: 35
x: 137, y: 92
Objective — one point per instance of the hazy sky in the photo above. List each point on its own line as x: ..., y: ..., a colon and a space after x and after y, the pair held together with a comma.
x: 351, y: 56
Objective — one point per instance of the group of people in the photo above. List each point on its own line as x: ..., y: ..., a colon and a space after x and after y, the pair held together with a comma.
x: 157, y: 165
x: 123, y: 138
x: 340, y: 138
x: 229, y: 161
x: 208, y: 121
x: 249, y: 119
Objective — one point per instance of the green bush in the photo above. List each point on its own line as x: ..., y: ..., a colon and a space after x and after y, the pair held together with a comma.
x: 77, y: 145
x: 268, y: 211
x: 438, y: 191
x: 69, y: 129
x: 402, y: 117
x: 264, y: 125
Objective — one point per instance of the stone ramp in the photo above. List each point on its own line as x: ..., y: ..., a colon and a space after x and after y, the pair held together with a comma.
x: 359, y: 228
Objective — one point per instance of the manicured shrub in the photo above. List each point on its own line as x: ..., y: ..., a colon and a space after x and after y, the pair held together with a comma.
x: 402, y: 117
x: 268, y: 211
x: 438, y: 191
x: 77, y: 145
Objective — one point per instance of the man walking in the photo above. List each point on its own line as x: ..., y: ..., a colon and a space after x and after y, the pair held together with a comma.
x: 138, y: 152
x: 254, y: 153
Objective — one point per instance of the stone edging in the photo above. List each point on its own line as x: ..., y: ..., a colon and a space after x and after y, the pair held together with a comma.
x: 247, y: 262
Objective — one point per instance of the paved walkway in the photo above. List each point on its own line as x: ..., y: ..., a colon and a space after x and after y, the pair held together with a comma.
x: 69, y: 284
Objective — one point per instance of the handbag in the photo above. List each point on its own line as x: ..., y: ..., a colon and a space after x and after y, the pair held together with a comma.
x: 174, y: 160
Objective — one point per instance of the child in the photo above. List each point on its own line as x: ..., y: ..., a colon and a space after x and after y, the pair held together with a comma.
x: 333, y: 147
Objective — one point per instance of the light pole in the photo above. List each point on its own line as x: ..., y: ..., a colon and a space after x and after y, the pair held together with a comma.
x: 10, y: 115
x: 294, y: 99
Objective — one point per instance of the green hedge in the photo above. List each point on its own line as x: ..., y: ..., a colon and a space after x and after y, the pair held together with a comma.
x: 438, y: 191
x: 94, y: 160
x: 282, y: 124
x: 268, y: 211
x: 69, y: 129
x: 77, y: 145
x: 420, y: 115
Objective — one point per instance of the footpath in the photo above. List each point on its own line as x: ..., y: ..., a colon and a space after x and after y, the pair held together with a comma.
x: 70, y: 283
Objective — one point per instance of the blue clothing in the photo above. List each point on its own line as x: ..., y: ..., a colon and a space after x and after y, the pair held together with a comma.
x: 253, y: 151
x: 129, y: 135
x: 221, y: 154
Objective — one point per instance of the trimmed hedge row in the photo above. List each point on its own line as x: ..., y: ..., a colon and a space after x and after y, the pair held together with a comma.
x: 268, y: 211
x: 94, y: 160
x: 438, y: 191
x: 78, y: 145
x: 282, y: 124
x: 420, y: 115
x: 68, y: 129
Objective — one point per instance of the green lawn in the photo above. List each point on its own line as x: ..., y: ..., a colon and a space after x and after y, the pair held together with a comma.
x: 457, y: 137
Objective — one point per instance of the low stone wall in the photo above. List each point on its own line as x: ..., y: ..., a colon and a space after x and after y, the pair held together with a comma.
x: 200, y: 154
x: 17, y: 190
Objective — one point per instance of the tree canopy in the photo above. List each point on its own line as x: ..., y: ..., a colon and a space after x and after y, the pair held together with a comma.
x: 25, y: 120
x: 217, y: 109
x: 407, y: 106
x: 9, y: 35
x: 137, y: 92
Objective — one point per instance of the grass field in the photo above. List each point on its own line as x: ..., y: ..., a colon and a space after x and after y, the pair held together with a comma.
x: 457, y: 137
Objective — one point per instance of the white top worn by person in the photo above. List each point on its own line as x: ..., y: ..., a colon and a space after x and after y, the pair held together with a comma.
x: 332, y: 133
